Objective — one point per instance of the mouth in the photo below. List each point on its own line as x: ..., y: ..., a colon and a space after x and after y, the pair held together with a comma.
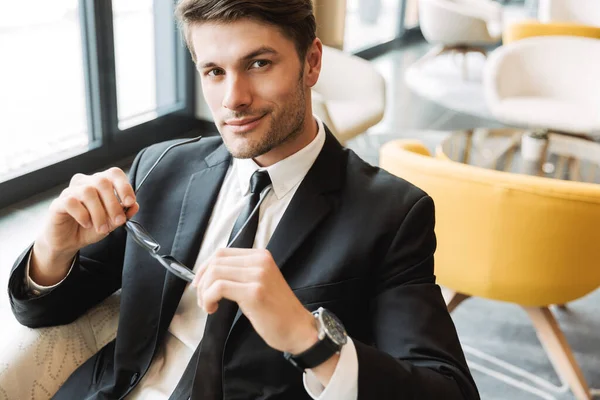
x: 244, y: 125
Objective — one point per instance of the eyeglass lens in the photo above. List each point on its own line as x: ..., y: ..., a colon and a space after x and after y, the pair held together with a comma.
x: 141, y: 236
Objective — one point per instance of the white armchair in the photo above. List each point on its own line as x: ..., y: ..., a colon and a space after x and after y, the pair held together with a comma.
x: 453, y: 23
x: 460, y: 26
x: 350, y: 94
x: 34, y: 363
x: 584, y: 12
x: 548, y: 82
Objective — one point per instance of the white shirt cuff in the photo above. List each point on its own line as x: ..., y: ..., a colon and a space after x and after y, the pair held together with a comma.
x: 344, y: 381
x: 38, y: 290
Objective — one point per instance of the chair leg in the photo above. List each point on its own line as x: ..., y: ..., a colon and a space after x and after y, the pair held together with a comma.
x: 431, y: 54
x: 559, y: 351
x: 480, y: 50
x: 453, y: 299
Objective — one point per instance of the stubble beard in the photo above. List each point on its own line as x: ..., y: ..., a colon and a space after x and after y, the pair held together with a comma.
x: 284, y: 128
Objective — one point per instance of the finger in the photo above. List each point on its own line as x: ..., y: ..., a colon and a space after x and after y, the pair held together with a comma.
x: 221, y: 289
x: 228, y: 273
x: 234, y: 251
x: 220, y: 257
x: 213, y: 273
x: 79, y: 213
x: 68, y: 204
x: 78, y: 179
x: 199, y: 273
x: 244, y: 256
x: 91, y: 201
x: 132, y: 211
x: 122, y: 186
x: 200, y: 270
x: 112, y: 207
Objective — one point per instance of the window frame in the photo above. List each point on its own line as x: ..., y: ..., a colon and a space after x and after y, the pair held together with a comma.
x: 403, y: 37
x: 107, y: 144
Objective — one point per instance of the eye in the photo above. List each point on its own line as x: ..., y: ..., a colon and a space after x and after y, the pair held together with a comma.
x: 260, y: 63
x: 215, y: 72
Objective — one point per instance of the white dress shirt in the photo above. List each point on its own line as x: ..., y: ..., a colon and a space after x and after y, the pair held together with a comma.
x: 187, y: 326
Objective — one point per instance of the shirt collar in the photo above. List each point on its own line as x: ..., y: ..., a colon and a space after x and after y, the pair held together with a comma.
x: 286, y: 173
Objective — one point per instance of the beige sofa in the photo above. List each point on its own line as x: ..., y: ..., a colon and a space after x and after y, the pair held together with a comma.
x: 34, y: 363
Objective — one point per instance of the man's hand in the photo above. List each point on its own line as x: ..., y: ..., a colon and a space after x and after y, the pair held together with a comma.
x: 84, y: 213
x: 251, y: 278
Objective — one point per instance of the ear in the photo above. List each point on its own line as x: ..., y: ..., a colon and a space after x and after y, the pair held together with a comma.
x: 312, y: 66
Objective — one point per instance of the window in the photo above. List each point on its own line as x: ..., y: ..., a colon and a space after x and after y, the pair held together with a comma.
x: 370, y: 22
x: 86, y: 83
x: 146, y: 80
x: 411, y: 15
x: 42, y: 101
x: 133, y: 23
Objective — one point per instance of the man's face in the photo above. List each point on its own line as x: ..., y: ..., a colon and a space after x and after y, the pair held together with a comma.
x: 253, y: 82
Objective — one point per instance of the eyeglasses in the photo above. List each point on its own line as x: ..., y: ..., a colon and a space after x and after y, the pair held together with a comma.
x: 141, y: 236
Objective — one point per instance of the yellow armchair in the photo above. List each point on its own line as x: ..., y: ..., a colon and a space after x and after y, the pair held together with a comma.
x: 525, y: 29
x: 526, y: 240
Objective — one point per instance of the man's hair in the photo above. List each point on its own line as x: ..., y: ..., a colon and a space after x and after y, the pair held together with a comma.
x: 295, y: 18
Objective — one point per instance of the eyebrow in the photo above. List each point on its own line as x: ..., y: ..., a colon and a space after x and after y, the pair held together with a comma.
x: 253, y: 54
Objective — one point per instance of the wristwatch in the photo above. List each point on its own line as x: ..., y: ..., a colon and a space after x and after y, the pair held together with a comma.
x: 332, y: 336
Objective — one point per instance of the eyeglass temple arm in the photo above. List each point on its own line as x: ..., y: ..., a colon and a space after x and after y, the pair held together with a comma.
x: 192, y: 140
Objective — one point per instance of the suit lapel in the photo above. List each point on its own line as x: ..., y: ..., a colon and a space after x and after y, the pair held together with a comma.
x: 309, y: 206
x: 198, y: 202
x: 311, y: 202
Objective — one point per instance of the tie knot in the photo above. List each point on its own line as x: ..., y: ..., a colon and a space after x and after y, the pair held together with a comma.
x: 259, y: 181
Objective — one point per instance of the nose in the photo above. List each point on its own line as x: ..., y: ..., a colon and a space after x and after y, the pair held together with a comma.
x: 238, y: 94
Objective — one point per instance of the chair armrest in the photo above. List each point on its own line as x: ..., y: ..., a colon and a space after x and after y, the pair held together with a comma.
x: 501, y: 76
x: 484, y: 9
x: 448, y: 22
x: 346, y: 77
x: 488, y: 11
x: 34, y: 363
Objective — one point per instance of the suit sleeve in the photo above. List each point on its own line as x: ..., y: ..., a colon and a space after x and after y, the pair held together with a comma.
x: 416, y: 353
x: 95, y: 275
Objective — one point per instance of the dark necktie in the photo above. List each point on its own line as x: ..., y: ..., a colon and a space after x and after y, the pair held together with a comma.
x: 207, y: 377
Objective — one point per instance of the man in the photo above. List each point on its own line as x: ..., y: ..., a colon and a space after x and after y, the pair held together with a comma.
x: 333, y: 235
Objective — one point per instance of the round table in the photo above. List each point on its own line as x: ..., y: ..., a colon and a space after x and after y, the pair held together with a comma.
x: 562, y: 157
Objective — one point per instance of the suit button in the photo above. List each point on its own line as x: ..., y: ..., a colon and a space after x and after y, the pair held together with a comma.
x: 134, y: 379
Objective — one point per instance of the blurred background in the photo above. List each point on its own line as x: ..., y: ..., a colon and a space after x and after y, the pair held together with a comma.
x: 492, y: 107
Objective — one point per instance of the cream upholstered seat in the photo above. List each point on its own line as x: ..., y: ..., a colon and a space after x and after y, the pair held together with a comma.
x: 460, y: 22
x: 546, y: 82
x: 350, y: 94
x: 34, y: 363
x: 459, y: 26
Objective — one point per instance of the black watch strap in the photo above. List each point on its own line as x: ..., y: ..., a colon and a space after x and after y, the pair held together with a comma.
x: 316, y: 355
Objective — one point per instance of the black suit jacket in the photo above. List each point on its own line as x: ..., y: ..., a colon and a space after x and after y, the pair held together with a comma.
x: 354, y: 239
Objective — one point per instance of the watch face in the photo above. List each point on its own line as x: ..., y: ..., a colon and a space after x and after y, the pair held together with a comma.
x: 334, y: 328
